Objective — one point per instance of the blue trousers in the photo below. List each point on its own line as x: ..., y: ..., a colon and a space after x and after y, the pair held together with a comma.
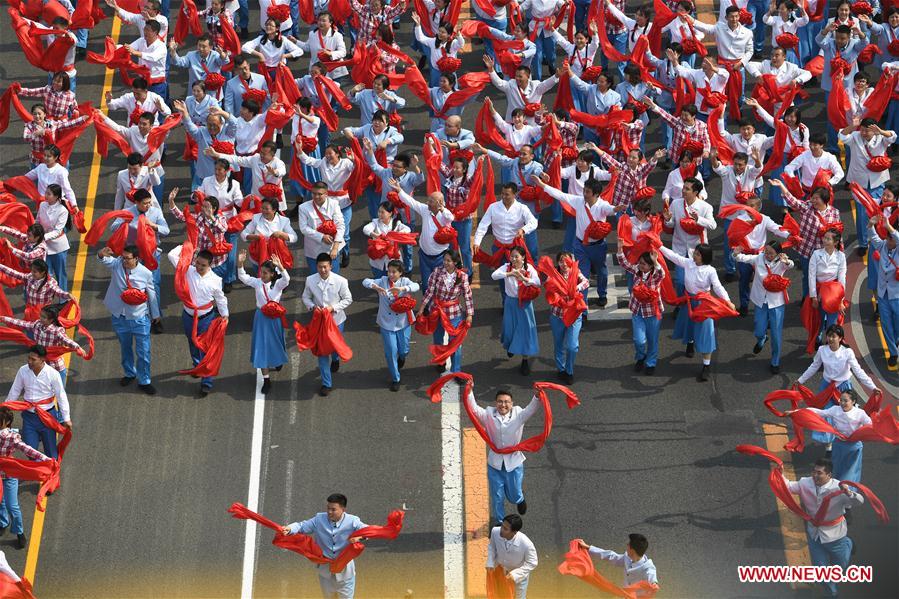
x: 770, y: 319
x: 580, y: 15
x: 463, y: 228
x: 646, y: 338
x: 892, y: 115
x: 504, y: 485
x: 835, y: 553
x: 803, y: 264
x: 861, y: 216
x: 546, y: 51
x: 310, y: 262
x: 243, y: 13
x: 56, y: 265
x: 295, y: 17
x: 396, y: 345
x: 619, y: 41
x: 592, y: 259
x: 134, y: 333
x: 164, y: 8
x: 758, y: 8
x: 34, y: 432
x: 730, y: 265
x: 889, y: 322
x: 347, y: 220
x: 807, y: 44
x: 427, y: 264
x: 373, y: 199
x: 747, y: 273
x: 570, y: 230
x: 324, y: 364
x: 10, y: 514
x: 187, y: 322
x: 666, y: 102
x: 565, y: 342
x: 439, y: 332
x: 162, y: 89
x: 227, y: 270
x: 500, y: 24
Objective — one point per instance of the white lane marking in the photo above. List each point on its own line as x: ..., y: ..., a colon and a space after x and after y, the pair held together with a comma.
x: 249, y: 546
x: 453, y: 529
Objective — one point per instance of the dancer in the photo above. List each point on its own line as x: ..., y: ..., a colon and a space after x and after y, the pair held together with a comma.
x: 522, y: 285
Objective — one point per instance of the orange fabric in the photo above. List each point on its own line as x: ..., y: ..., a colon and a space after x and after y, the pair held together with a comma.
x: 578, y: 563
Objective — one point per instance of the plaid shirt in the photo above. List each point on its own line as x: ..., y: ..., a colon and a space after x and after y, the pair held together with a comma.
x: 634, y: 133
x: 653, y: 280
x: 446, y: 288
x: 455, y: 191
x: 60, y: 105
x: 810, y: 221
x: 208, y: 233
x: 51, y: 128
x: 679, y: 135
x: 612, y: 29
x: 629, y: 181
x: 370, y: 22
x: 10, y: 441
x: 28, y: 253
x: 39, y: 292
x: 47, y: 336
x: 583, y: 283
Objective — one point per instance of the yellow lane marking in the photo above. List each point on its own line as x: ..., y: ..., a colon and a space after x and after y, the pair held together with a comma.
x: 477, y: 512
x: 37, y: 525
x: 792, y: 527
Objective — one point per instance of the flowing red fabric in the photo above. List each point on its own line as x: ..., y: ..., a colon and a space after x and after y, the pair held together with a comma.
x: 603, y: 122
x: 433, y: 157
x: 321, y: 336
x: 388, y: 244
x: 277, y: 117
x: 15, y: 589
x: 578, y: 563
x: 65, y: 139
x: 831, y: 297
x: 781, y: 491
x: 608, y: 49
x: 52, y: 482
x: 879, y: 99
x: 638, y: 57
x: 117, y: 57
x: 107, y: 135
x: 306, y: 546
x: 883, y: 428
x: 663, y: 16
x: 157, y: 134
x: 481, y: 186
x: 502, y: 253
x: 265, y: 247
x: 737, y: 236
x: 794, y: 186
x: 562, y: 292
x: 117, y: 240
x: 50, y: 59
x: 564, y: 98
x: 188, y: 22
x: 469, y: 86
x: 486, y: 132
x: 361, y: 177
x: 531, y: 444
x: 781, y: 131
x: 426, y: 325
x: 326, y: 111
x: 10, y: 96
x: 23, y: 185
x: 16, y: 216
x: 53, y: 351
x: 838, y: 102
x: 146, y: 242
x: 725, y: 152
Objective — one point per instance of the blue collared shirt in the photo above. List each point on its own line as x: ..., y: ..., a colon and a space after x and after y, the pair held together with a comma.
x: 408, y: 181
x: 199, y: 111
x: 234, y: 91
x: 887, y: 285
x: 368, y: 103
x: 193, y: 62
x: 140, y: 278
x: 390, y: 133
x: 849, y: 54
x: 387, y: 318
x: 205, y: 166
x: 153, y: 214
x: 595, y: 101
x: 331, y: 537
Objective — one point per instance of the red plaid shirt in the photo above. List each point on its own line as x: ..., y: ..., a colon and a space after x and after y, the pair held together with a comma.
x: 45, y: 335
x: 679, y: 135
x: 369, y: 22
x: 450, y: 288
x: 51, y: 128
x: 810, y: 221
x: 583, y: 283
x: 28, y: 253
x: 653, y: 280
x: 60, y: 105
x: 634, y: 133
x: 629, y: 181
x: 10, y: 441
x: 455, y: 191
x: 39, y: 292
x: 208, y: 233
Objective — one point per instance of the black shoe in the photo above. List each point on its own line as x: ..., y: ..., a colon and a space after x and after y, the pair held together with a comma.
x: 691, y: 350
x: 562, y: 375
x: 324, y: 391
x: 759, y: 345
x: 704, y: 373
x: 650, y: 370
x: 891, y: 361
x: 400, y: 362
x: 860, y: 251
x: 266, y: 385
x: 22, y: 540
x: 730, y: 277
x: 775, y: 369
x: 525, y: 368
x: 509, y: 354
x: 827, y: 454
x: 744, y: 310
x: 227, y: 287
x: 569, y: 378
x: 148, y: 389
x: 602, y: 302
x: 3, y: 530
x: 638, y: 366
x: 394, y: 386
x: 126, y: 380
x: 244, y: 33
x: 422, y: 63
x: 203, y: 391
x: 344, y: 260
x: 523, y: 508
x: 556, y: 225
x: 278, y: 368
x: 156, y: 327
x: 335, y: 365
x: 80, y: 53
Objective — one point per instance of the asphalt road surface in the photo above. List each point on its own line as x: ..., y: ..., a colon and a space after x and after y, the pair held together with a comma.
x: 147, y: 481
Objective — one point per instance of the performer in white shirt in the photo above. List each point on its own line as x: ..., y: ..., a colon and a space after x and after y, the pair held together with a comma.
x: 326, y: 290
x: 268, y: 171
x: 636, y: 565
x: 136, y: 176
x: 507, y: 220
x: 151, y: 52
x: 434, y: 218
x: 334, y: 171
x: 837, y: 363
x: 814, y: 159
x: 321, y: 224
x: 268, y: 223
x: 691, y: 207
x: 513, y: 552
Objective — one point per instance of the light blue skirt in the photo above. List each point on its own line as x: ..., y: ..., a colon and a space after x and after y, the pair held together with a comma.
x: 847, y: 460
x: 700, y: 333
x: 519, y: 328
x: 268, y: 349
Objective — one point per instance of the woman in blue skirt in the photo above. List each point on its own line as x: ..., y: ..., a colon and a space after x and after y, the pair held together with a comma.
x: 519, y: 335
x: 394, y: 319
x: 699, y: 277
x: 268, y: 350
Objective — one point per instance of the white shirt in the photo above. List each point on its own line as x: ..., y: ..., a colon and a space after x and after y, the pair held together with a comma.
x: 733, y: 44
x: 333, y: 291
x: 377, y: 228
x: 697, y: 279
x: 274, y: 290
x: 576, y: 178
x: 53, y: 219
x: 517, y: 556
x: 779, y: 26
x: 634, y: 571
x: 579, y: 59
x: 308, y: 128
x: 261, y: 176
x: 784, y: 74
x: 505, y: 222
x: 273, y: 54
x: 260, y: 226
x: 825, y: 267
x: 846, y: 423
x: 134, y: 138
x: 44, y: 176
x: 309, y: 221
x: 759, y: 234
x: 528, y: 134
x: 428, y: 227
x: 333, y: 41
x: 599, y: 210
x: 248, y: 134
x: 717, y: 83
x: 674, y: 187
x: 227, y: 192
x: 808, y: 167
x: 837, y: 366
x: 334, y: 176
x: 146, y: 178
x: 681, y: 241
x: 861, y: 152
x: 758, y: 295
x: 36, y: 387
x: 437, y: 53
x: 153, y: 103
x: 206, y: 289
x: 504, y: 431
x: 515, y: 97
x: 811, y: 496
x: 857, y: 102
x: 511, y: 283
x: 138, y: 21
x: 730, y: 180
x: 153, y: 56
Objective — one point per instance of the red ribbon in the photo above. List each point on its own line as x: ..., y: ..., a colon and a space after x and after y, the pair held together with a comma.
x: 321, y: 336
x: 578, y: 563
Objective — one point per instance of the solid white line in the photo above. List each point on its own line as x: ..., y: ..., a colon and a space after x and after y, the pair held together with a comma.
x: 249, y: 546
x: 453, y: 530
